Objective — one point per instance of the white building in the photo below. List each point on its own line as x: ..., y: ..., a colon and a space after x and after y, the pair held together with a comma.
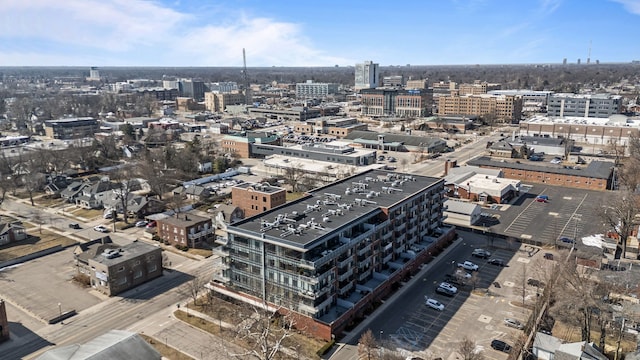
x: 461, y: 213
x: 367, y: 75
x: 313, y: 90
x: 223, y: 87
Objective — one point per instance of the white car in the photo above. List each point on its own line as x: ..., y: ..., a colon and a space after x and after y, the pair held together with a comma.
x: 434, y: 304
x: 446, y: 285
x: 463, y: 274
x: 142, y: 223
x: 468, y: 265
x: 101, y: 228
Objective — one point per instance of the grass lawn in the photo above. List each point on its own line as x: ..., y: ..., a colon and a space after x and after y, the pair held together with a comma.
x: 86, y: 213
x: 202, y: 252
x: 48, y: 201
x: 41, y: 240
x: 294, y: 196
x: 166, y: 351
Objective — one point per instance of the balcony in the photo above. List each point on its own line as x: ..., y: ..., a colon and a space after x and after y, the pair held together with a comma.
x: 345, y: 276
x: 200, y: 234
x: 220, y: 251
x: 365, y: 249
x: 387, y: 258
x: 346, y: 262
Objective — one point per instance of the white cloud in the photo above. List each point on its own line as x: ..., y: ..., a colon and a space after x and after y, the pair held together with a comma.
x: 124, y: 32
x: 549, y: 6
x: 632, y: 6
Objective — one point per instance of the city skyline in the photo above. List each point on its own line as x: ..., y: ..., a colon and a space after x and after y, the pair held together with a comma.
x: 286, y: 33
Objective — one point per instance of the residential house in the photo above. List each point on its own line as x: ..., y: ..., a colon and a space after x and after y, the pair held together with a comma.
x: 185, y: 229
x: 56, y: 185
x: 115, y: 344
x: 94, y: 195
x: 547, y: 347
x: 113, y: 269
x: 72, y: 191
x: 193, y: 192
x: 138, y: 206
x: 502, y: 149
x: 224, y: 215
x: 12, y: 231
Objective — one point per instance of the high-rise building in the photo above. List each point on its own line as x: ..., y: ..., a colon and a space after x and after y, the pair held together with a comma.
x: 367, y: 75
x: 193, y: 88
x: 502, y: 107
x: 94, y: 74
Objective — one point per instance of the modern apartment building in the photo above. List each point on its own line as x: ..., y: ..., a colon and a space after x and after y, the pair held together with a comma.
x: 596, y: 105
x: 367, y: 75
x: 254, y: 199
x: 73, y: 128
x: 185, y: 229
x: 223, y: 87
x: 327, y: 257
x: 505, y: 108
x: 313, y: 90
x: 395, y: 102
x: 113, y: 269
x: 218, y: 102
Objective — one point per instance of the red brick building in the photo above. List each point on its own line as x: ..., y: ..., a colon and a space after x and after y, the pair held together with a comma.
x: 185, y: 229
x: 254, y: 199
x: 241, y: 144
x: 598, y: 175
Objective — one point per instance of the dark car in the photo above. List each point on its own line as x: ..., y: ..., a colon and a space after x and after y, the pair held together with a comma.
x: 496, y: 262
x: 548, y: 256
x: 500, y: 346
x: 536, y: 283
x: 74, y: 225
x: 566, y: 239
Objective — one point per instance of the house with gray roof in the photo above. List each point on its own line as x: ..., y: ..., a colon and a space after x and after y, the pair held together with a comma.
x: 12, y: 231
x: 115, y: 344
x: 547, y: 347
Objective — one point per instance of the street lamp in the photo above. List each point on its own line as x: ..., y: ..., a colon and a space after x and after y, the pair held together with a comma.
x: 60, y: 313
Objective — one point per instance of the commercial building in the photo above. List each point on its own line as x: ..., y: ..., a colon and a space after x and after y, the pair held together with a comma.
x: 393, y: 81
x: 288, y: 114
x: 417, y: 84
x: 218, y: 102
x: 240, y: 144
x: 329, y: 256
x: 185, y: 229
x: 367, y: 75
x: 598, y: 175
x: 394, y: 102
x: 223, y: 87
x: 532, y: 101
x: 72, y: 128
x: 335, y: 152
x: 254, y: 198
x: 313, y: 90
x: 113, y: 269
x: 504, y: 108
x: 327, y: 125
x: 584, y: 105
x: 461, y: 213
x: 479, y: 184
x: 192, y: 88
x: 396, y: 142
x: 616, y: 129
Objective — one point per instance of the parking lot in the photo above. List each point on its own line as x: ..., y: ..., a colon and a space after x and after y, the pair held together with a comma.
x: 568, y: 212
x: 476, y: 314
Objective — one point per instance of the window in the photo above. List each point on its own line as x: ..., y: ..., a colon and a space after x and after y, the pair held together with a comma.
x: 121, y: 268
x: 264, y: 199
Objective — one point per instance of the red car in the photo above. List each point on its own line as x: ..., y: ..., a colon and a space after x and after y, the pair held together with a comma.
x: 152, y: 224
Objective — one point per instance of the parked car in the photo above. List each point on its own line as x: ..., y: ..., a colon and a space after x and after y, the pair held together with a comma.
x: 451, y: 279
x: 152, y: 224
x: 392, y: 159
x: 434, y: 304
x: 463, y: 274
x: 468, y: 265
x: 542, y: 198
x: 481, y: 253
x: 444, y: 291
x: 500, y: 346
x: 535, y: 282
x: 548, y: 256
x: 74, y: 225
x: 535, y: 158
x: 101, y: 228
x: 142, y: 223
x: 381, y: 158
x: 496, y: 262
x: 446, y: 285
x: 566, y: 239
x: 513, y: 323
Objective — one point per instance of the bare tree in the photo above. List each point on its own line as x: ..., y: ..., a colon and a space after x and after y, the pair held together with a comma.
x: 194, y: 288
x: 264, y: 332
x: 619, y: 215
x: 126, y: 185
x: 469, y: 350
x: 293, y: 175
x: 367, y: 345
x: 521, y: 283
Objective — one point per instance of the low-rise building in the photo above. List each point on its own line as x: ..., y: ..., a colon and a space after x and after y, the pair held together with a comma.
x: 113, y: 269
x: 477, y: 184
x: 241, y: 144
x: 185, y: 229
x: 335, y: 126
x: 115, y: 344
x: 597, y: 175
x: 586, y: 105
x: 334, y: 152
x: 286, y: 114
x: 461, y: 213
x: 255, y: 198
x: 218, y: 102
x: 72, y: 128
x: 396, y: 142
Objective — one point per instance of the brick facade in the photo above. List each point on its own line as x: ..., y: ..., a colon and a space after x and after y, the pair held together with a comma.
x: 253, y: 200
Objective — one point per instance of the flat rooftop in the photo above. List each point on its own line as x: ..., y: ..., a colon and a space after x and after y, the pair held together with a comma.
x: 595, y: 169
x: 305, y: 221
x: 260, y: 187
x: 126, y: 252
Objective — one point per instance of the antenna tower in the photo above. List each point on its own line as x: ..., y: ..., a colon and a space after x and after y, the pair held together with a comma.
x: 245, y: 79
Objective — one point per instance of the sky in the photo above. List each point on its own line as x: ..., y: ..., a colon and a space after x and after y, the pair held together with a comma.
x: 316, y: 33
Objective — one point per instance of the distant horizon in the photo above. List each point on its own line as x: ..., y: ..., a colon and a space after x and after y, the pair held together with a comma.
x: 196, y: 33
